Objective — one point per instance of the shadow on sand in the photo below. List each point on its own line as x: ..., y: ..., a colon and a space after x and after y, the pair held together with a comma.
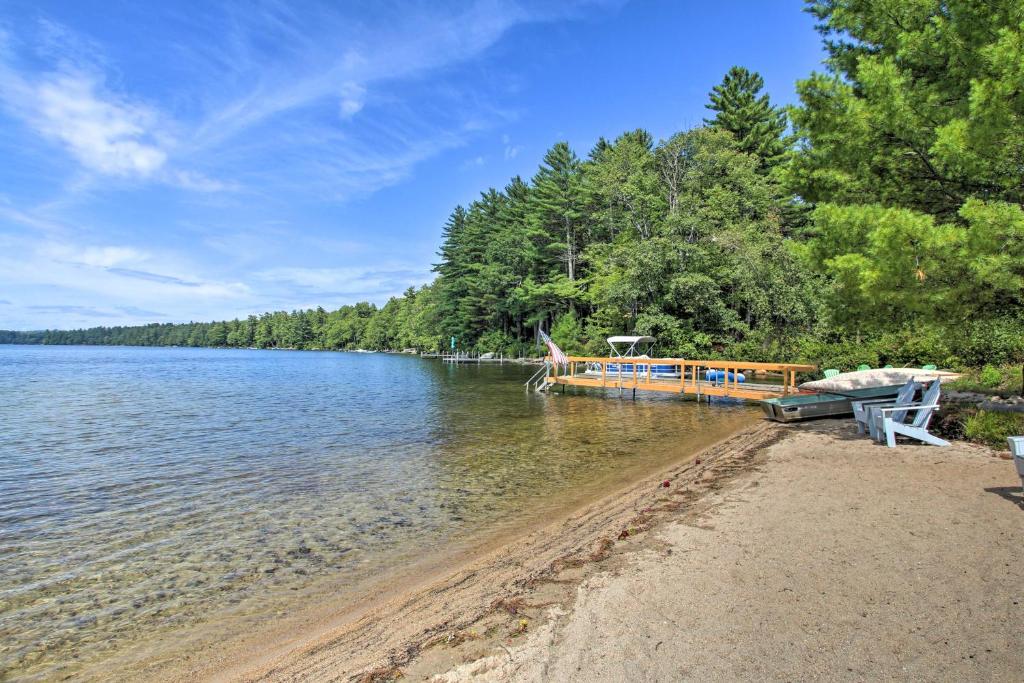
x: 843, y: 429
x: 1010, y: 493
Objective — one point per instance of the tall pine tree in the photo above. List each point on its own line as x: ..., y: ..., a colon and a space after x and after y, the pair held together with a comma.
x: 741, y: 109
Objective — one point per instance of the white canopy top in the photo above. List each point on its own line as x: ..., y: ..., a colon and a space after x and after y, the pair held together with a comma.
x: 630, y: 340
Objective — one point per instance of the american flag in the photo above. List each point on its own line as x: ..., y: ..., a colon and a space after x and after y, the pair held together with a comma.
x: 557, y: 355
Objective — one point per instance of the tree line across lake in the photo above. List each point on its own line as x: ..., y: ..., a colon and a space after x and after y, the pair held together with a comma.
x: 879, y: 221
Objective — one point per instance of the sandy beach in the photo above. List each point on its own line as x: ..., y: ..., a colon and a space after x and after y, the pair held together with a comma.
x: 783, y: 552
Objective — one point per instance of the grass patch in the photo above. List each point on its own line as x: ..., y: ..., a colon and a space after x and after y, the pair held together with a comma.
x: 992, y: 428
x: 1003, y: 380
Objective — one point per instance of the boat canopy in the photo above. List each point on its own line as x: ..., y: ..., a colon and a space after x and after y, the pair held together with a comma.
x: 631, y: 340
x: 635, y: 347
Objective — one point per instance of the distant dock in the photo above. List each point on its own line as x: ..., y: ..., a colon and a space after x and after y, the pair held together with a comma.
x: 475, y: 358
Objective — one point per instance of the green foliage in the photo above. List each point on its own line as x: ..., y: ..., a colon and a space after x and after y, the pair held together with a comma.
x: 1002, y: 380
x: 992, y: 428
x: 921, y: 108
x: 741, y: 109
x: 495, y: 341
x: 567, y: 332
x: 990, y: 377
x: 913, y: 146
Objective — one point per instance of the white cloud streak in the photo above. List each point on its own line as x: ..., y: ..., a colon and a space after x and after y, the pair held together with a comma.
x: 103, y: 132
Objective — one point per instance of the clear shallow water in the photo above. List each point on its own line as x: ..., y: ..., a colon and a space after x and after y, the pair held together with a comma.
x: 143, y: 489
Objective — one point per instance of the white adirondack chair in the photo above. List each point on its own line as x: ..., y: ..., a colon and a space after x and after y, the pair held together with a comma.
x: 885, y: 422
x: 860, y: 408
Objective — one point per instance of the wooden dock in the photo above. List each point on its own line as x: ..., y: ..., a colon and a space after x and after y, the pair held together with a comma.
x: 640, y: 375
x: 472, y: 358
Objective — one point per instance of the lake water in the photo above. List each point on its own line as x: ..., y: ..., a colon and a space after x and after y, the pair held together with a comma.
x: 147, y: 491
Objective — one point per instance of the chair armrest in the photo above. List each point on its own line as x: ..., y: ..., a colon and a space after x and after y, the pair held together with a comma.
x: 872, y: 401
x: 909, y: 406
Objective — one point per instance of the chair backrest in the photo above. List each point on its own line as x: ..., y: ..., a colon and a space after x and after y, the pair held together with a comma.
x: 887, y: 366
x: 929, y: 367
x: 905, y: 396
x: 830, y: 373
x: 863, y: 366
x: 930, y: 398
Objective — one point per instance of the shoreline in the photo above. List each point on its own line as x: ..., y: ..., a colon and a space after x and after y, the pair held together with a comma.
x: 514, y: 603
x: 402, y: 615
x: 825, y: 557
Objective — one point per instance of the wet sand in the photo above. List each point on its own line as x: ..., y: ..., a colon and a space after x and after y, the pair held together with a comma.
x: 780, y: 553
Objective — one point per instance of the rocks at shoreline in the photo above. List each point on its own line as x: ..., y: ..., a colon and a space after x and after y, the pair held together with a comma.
x: 998, y: 404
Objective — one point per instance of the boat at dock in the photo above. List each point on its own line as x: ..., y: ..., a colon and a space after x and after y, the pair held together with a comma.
x: 635, y: 349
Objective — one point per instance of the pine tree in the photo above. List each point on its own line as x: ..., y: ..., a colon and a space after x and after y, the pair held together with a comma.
x: 750, y: 117
x: 557, y: 203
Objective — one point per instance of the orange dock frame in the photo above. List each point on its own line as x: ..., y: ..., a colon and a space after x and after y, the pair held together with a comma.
x: 690, y: 381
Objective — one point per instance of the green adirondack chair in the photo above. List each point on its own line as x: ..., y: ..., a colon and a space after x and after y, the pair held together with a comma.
x: 863, y: 366
x: 928, y: 367
x: 830, y: 373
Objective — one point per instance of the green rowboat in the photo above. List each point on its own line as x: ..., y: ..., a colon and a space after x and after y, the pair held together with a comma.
x: 809, y: 406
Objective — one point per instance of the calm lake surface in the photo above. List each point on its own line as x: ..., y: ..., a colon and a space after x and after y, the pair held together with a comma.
x: 148, y: 490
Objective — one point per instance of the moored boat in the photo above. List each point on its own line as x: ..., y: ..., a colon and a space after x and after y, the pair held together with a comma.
x: 809, y: 406
x: 632, y: 351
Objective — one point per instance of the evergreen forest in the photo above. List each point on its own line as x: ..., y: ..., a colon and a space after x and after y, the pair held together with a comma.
x: 880, y: 220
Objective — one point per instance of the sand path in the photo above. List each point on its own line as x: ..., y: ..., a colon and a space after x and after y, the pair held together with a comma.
x: 830, y: 558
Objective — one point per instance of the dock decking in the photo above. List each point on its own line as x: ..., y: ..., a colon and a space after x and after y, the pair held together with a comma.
x: 590, y: 371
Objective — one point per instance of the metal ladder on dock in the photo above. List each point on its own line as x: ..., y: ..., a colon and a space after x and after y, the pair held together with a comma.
x: 538, y: 382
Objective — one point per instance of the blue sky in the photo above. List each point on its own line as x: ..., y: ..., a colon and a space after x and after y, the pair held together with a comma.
x: 175, y: 161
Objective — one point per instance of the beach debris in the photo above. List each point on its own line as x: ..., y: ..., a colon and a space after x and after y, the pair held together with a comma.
x: 602, y: 550
x: 624, y: 534
x: 381, y: 675
x: 511, y: 605
x: 666, y: 484
x: 456, y: 638
x: 523, y: 625
x: 697, y: 461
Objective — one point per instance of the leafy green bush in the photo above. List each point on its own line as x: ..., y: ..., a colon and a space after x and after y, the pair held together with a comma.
x: 992, y: 428
x: 567, y: 332
x: 998, y: 341
x: 495, y: 342
x: 1005, y: 380
x: 990, y: 377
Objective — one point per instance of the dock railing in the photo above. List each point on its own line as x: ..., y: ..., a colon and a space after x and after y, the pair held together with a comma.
x: 686, y: 377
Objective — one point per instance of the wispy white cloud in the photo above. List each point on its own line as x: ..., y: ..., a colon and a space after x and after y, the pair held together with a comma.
x: 511, y: 151
x: 353, y: 98
x: 192, y: 180
x: 335, y: 286
x: 97, y: 257
x: 104, y: 132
